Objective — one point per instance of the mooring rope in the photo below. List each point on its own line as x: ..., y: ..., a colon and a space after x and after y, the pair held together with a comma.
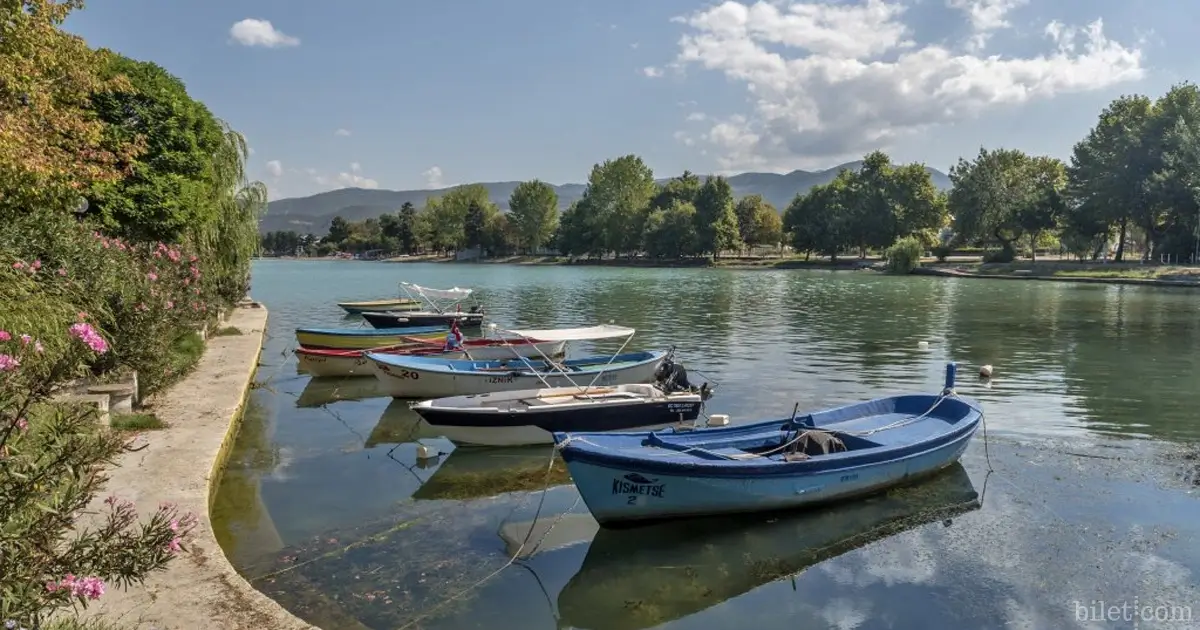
x: 516, y: 554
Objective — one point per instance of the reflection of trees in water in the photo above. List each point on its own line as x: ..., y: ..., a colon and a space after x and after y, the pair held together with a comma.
x: 1014, y: 325
x: 862, y: 322
x: 1133, y: 364
x: 241, y: 522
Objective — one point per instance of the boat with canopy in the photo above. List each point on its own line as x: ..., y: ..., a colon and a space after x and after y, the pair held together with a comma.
x: 772, y: 465
x: 430, y: 377
x: 439, y: 302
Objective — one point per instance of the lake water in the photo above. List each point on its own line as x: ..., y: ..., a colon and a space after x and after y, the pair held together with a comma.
x: 1088, y: 518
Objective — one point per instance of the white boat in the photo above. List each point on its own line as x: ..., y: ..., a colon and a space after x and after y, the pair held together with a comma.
x: 322, y: 362
x: 429, y: 377
x: 526, y: 417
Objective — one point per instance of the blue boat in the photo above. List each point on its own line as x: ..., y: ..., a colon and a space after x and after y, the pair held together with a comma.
x: 794, y: 462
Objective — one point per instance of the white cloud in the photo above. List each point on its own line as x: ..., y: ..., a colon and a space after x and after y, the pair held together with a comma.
x: 652, y: 72
x: 275, y: 168
x: 696, y: 117
x: 252, y: 32
x: 345, y: 179
x: 634, y: 45
x: 985, y: 16
x: 833, y: 81
x: 342, y: 133
x: 433, y: 177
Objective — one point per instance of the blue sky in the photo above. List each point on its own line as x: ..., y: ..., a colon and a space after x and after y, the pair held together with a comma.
x: 427, y: 94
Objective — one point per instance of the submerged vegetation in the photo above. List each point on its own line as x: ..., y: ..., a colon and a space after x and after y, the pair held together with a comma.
x: 126, y: 225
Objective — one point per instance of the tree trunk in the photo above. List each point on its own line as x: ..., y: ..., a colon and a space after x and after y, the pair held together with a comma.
x: 1120, y: 255
x: 1033, y: 237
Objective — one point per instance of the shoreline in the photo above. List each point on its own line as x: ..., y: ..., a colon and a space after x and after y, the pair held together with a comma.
x: 183, y: 464
x: 1124, y: 273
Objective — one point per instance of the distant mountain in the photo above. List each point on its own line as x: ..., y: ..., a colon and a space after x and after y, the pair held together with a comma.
x: 312, y: 214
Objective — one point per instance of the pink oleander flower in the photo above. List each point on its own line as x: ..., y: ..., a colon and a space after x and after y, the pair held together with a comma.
x: 152, y: 276
x: 25, y: 340
x: 175, y: 545
x: 62, y: 271
x: 193, y: 259
x: 174, y: 525
x: 88, y: 335
x: 173, y: 255
x: 18, y: 265
x: 8, y: 363
x: 89, y: 587
x: 22, y: 424
x: 81, y: 315
x: 4, y: 336
x: 170, y: 305
x: 37, y: 264
x: 158, y: 254
x: 38, y: 348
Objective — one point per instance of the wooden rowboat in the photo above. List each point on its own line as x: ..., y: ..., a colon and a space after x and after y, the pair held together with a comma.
x: 773, y: 465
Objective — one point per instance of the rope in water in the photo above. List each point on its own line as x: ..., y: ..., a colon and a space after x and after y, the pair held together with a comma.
x: 516, y: 554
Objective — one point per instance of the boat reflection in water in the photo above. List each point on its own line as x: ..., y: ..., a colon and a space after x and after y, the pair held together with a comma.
x: 322, y: 391
x: 485, y: 472
x: 644, y: 577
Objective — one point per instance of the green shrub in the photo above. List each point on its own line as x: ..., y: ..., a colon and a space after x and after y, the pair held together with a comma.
x: 53, y: 456
x: 941, y: 252
x: 904, y: 255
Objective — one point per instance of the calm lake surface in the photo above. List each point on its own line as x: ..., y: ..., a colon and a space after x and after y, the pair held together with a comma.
x: 1092, y: 501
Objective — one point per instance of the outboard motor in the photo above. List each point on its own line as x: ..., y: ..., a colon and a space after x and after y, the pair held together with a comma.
x: 673, y: 377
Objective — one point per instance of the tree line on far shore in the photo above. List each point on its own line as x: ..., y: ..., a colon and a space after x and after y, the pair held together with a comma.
x: 1133, y: 181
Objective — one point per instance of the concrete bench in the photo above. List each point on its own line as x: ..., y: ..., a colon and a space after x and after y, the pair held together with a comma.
x: 120, y: 395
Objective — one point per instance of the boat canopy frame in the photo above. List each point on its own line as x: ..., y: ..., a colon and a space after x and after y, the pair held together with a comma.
x: 452, y: 296
x: 585, y: 333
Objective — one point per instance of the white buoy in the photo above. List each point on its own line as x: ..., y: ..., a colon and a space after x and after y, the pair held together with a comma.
x: 718, y: 420
x: 922, y: 345
x: 424, y: 451
x: 985, y: 371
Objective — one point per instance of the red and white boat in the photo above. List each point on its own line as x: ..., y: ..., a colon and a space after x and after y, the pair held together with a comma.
x: 322, y: 362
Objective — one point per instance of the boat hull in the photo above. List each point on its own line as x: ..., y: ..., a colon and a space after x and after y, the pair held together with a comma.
x: 329, y: 340
x: 484, y: 425
x: 614, y: 500
x: 414, y: 381
x: 639, y: 477
x: 400, y: 304
x: 384, y: 321
x: 324, y: 364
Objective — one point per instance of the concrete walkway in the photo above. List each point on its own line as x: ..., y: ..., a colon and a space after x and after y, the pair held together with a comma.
x: 199, y: 590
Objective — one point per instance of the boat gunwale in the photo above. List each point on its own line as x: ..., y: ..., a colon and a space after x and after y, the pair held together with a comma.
x: 373, y: 332
x: 434, y: 365
x: 848, y: 461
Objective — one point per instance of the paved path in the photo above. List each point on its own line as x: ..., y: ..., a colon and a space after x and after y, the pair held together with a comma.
x: 199, y: 590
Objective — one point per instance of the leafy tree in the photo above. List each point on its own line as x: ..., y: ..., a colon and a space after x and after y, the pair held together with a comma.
x: 405, y: 228
x: 1109, y: 170
x: 818, y: 221
x: 765, y: 226
x: 1003, y: 195
x: 671, y: 233
x: 683, y: 188
x: 716, y: 222
x: 745, y: 210
x: 473, y: 225
x: 170, y: 184
x: 533, y: 212
x: 615, y: 203
x: 339, y: 230
x: 51, y: 145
